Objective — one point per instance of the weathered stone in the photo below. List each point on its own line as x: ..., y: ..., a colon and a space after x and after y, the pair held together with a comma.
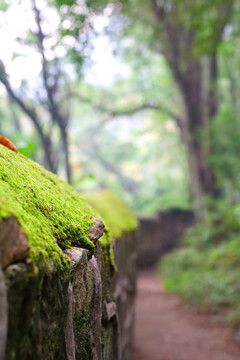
x: 124, y: 288
x: 162, y: 233
x: 97, y: 311
x: 111, y: 310
x: 13, y: 242
x: 75, y: 255
x: 37, y: 313
x: 82, y: 280
x: 54, y: 307
x: 69, y: 334
x: 81, y: 306
x: 3, y: 316
x: 96, y: 230
x: 71, y: 314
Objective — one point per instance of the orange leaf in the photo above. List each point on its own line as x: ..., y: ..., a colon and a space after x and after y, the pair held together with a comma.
x: 6, y: 142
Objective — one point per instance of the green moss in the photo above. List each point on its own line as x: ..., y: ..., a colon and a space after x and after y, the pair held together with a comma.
x: 52, y: 214
x: 114, y: 212
x: 82, y: 336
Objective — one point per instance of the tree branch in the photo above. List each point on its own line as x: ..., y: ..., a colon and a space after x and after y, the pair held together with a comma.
x: 147, y: 106
x: 52, y: 105
x: 35, y: 120
x: 128, y: 183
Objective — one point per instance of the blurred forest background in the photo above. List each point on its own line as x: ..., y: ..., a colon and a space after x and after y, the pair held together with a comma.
x: 86, y: 93
x: 141, y: 97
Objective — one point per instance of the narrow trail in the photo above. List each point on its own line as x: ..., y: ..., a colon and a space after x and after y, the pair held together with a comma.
x: 168, y: 329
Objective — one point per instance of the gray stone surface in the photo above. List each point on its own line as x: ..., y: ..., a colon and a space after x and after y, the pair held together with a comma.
x: 96, y: 230
x: 124, y: 289
x: 96, y: 321
x: 69, y: 333
x: 160, y: 234
x: 16, y: 246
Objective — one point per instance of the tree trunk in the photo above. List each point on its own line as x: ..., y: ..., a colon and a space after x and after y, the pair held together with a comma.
x: 200, y: 106
x: 68, y: 169
x: 199, y: 112
x: 53, y: 104
x: 196, y: 77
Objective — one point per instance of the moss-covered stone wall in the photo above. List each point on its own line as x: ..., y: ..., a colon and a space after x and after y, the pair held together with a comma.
x: 58, y: 272
x: 123, y: 229
x: 114, y: 212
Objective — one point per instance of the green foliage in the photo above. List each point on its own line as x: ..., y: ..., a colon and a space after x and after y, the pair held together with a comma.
x: 26, y: 145
x: 225, y: 128
x: 138, y: 156
x: 204, y: 19
x: 214, y: 289
x: 206, y: 269
x: 4, y: 5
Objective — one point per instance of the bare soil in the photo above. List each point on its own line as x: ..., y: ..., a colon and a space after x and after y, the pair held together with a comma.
x: 166, y: 328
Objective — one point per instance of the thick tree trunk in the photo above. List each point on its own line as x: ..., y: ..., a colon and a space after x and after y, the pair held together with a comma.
x: 195, y: 76
x: 200, y: 103
x: 199, y: 98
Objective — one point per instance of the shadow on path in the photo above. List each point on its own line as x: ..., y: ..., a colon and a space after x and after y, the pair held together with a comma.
x: 168, y: 329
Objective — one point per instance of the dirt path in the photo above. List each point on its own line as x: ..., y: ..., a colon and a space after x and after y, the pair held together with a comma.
x: 168, y: 329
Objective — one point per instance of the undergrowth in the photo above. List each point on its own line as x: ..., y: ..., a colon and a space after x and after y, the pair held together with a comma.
x: 206, y: 269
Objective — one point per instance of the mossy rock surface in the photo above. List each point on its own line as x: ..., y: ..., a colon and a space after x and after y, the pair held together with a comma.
x: 113, y: 211
x: 53, y: 216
